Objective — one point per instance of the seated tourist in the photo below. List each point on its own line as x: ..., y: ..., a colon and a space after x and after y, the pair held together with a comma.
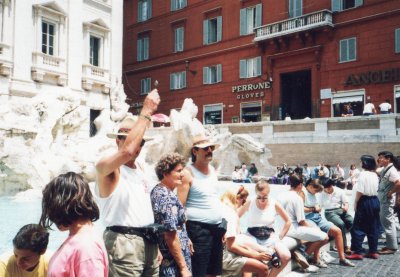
x: 261, y: 213
x: 312, y: 211
x: 336, y: 205
x: 244, y: 172
x: 253, y: 171
x: 240, y: 254
x: 301, y: 229
x: 236, y: 176
x: 29, y: 258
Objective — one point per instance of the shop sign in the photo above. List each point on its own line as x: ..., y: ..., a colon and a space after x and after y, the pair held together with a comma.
x: 248, y: 91
x: 373, y: 77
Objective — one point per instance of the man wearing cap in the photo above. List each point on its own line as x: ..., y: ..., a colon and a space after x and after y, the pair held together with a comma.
x: 203, y: 208
x: 124, y: 198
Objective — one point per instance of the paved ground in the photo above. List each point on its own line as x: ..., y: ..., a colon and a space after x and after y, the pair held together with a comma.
x: 385, y: 266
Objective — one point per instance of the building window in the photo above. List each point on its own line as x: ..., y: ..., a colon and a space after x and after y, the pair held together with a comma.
x: 145, y: 86
x: 340, y: 5
x: 397, y: 41
x: 93, y: 115
x: 397, y: 99
x: 250, y: 112
x: 250, y: 67
x: 144, y: 10
x: 213, y: 114
x: 250, y: 18
x: 177, y: 80
x: 212, y: 74
x: 212, y: 30
x: 353, y: 99
x: 48, y: 34
x: 348, y: 50
x: 178, y: 4
x: 143, y: 49
x: 179, y: 39
x: 94, y: 50
x: 295, y: 8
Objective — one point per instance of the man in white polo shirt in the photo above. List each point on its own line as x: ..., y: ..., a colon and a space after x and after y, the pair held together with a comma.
x: 385, y: 107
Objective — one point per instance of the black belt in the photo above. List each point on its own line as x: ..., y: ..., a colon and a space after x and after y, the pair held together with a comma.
x: 138, y: 231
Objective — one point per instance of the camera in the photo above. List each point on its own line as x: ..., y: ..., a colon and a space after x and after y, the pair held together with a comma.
x: 276, y: 261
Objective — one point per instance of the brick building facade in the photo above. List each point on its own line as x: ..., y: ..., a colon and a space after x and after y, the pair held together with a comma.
x: 255, y: 60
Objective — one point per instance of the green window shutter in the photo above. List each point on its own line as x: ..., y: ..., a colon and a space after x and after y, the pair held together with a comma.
x: 146, y: 48
x: 173, y: 5
x: 219, y: 73
x: 171, y: 81
x: 243, y: 22
x: 343, y: 50
x: 205, y: 32
x: 149, y: 9
x: 352, y: 49
x: 397, y: 41
x: 219, y: 28
x: 243, y: 69
x: 258, y: 66
x: 258, y: 15
x: 206, y: 77
x: 358, y: 3
x: 139, y: 50
x: 336, y: 5
x: 183, y: 79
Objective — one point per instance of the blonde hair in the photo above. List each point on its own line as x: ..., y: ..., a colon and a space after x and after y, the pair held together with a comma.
x: 231, y: 196
x: 261, y: 185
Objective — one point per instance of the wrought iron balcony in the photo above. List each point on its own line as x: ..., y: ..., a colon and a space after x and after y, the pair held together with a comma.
x: 294, y: 25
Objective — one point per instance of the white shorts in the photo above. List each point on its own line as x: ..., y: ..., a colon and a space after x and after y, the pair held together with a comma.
x: 310, y: 234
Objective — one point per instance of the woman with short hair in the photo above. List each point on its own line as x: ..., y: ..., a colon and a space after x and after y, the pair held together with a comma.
x: 69, y: 204
x: 168, y: 211
x: 366, y: 206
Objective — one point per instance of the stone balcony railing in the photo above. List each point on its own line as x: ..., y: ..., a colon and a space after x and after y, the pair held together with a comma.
x: 294, y: 25
x: 93, y: 75
x: 43, y: 64
x: 5, y: 59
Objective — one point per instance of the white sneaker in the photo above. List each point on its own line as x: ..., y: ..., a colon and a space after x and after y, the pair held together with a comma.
x: 326, y: 257
x: 311, y: 269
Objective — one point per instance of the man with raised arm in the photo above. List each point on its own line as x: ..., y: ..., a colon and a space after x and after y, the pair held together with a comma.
x: 124, y: 198
x: 200, y: 197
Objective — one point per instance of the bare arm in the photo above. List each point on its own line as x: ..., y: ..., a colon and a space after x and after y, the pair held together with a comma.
x: 174, y: 246
x: 244, y: 208
x: 244, y: 251
x: 283, y: 214
x: 183, y: 190
x: 107, y: 167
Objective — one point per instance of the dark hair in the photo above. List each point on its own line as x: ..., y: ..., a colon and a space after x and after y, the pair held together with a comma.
x: 66, y: 199
x: 32, y: 237
x: 387, y: 155
x: 368, y: 162
x: 314, y: 183
x: 193, y: 155
x: 295, y: 180
x: 396, y: 163
x: 167, y: 163
x: 326, y: 182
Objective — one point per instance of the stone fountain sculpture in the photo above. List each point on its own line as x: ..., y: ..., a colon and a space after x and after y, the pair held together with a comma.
x: 43, y: 136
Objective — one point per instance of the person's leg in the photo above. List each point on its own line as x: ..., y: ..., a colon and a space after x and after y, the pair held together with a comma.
x: 334, y: 217
x: 336, y: 233
x: 202, y: 244
x: 126, y: 254
x: 284, y: 254
x: 357, y: 233
x: 254, y: 266
x: 151, y: 267
x: 388, y: 221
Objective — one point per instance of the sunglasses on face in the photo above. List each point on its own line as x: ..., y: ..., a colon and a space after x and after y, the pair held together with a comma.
x: 262, y: 197
x: 124, y: 137
x: 212, y: 147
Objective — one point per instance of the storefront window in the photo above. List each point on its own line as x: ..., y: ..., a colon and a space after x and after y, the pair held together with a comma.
x: 213, y: 114
x: 251, y: 112
x: 356, y: 103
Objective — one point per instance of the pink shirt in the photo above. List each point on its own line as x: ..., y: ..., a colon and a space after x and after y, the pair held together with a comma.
x: 81, y: 255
